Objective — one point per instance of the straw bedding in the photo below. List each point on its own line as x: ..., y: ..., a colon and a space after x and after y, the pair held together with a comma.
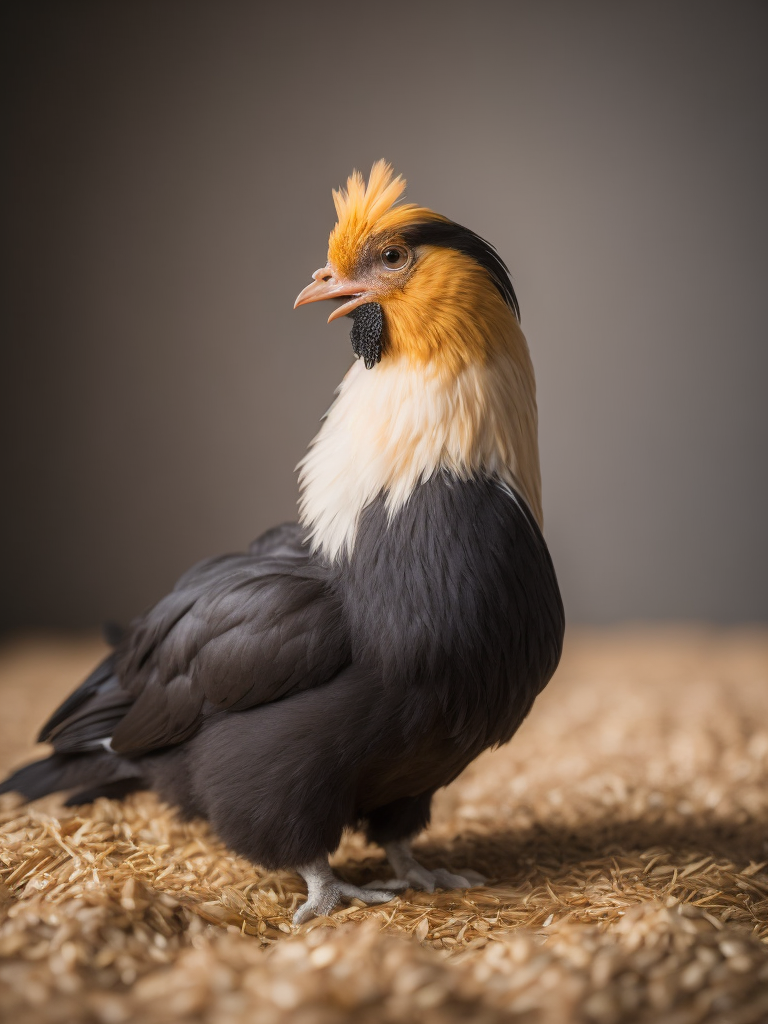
x: 623, y: 832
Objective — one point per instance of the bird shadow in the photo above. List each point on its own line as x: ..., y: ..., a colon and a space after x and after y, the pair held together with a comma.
x: 515, y: 856
x: 561, y: 848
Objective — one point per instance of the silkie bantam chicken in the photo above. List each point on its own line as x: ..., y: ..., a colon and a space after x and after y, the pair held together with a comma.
x: 350, y: 664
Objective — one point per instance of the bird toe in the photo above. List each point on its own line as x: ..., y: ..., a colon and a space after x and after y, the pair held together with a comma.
x: 421, y: 878
x: 395, y: 884
x: 449, y: 880
x: 319, y: 903
x: 474, y: 877
x: 366, y: 894
x: 323, y: 901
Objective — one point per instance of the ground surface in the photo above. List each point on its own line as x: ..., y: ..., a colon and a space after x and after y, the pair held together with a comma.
x: 624, y: 832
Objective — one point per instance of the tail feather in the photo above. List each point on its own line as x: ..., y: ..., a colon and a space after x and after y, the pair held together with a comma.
x: 66, y: 771
x: 101, y: 676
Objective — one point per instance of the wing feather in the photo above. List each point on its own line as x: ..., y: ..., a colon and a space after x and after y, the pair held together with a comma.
x: 235, y: 632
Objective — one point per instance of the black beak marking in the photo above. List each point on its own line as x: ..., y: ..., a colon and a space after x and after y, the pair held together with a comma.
x: 367, y: 330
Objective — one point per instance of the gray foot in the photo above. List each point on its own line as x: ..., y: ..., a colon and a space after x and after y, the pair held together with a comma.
x: 412, y: 874
x: 325, y: 891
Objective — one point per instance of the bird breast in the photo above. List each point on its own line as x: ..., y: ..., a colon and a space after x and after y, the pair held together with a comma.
x: 399, y: 424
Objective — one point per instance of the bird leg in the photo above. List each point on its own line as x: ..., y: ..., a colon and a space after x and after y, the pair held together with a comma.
x: 325, y: 891
x: 412, y: 874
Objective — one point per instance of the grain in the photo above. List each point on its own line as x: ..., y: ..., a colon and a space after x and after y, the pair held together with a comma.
x: 623, y: 833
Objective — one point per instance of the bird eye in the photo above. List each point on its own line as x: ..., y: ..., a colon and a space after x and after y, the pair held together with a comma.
x: 394, y: 257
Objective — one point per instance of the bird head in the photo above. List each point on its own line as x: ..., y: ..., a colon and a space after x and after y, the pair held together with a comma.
x: 417, y: 285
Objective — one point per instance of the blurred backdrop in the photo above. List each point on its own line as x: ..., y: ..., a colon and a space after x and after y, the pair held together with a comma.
x: 168, y: 177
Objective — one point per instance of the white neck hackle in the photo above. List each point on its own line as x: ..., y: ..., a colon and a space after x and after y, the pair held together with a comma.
x: 394, y: 426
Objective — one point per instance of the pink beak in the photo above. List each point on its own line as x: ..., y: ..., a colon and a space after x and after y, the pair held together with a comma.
x: 326, y: 286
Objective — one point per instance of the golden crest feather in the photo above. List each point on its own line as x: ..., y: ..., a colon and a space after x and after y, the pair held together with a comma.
x: 363, y: 209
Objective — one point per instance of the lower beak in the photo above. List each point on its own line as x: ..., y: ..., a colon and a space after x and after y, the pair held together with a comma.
x: 326, y: 286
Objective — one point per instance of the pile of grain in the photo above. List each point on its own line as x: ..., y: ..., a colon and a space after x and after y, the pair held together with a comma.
x: 624, y: 833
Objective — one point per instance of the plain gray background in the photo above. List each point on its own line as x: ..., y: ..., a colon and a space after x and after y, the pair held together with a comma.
x: 168, y: 194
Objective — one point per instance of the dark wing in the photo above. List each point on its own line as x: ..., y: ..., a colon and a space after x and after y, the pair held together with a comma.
x: 235, y: 632
x: 86, y: 718
x: 284, y: 541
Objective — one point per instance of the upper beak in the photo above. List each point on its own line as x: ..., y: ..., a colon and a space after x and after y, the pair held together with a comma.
x: 326, y: 286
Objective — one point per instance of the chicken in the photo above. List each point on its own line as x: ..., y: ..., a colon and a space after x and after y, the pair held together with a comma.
x: 349, y: 665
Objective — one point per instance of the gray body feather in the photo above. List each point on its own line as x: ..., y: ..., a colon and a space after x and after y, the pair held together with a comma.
x: 285, y: 698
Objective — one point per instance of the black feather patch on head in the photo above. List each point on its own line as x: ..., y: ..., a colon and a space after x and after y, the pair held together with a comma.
x: 453, y: 236
x: 367, y: 330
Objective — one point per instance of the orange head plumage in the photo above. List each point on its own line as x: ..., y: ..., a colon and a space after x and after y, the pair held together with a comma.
x: 418, y: 285
x: 451, y: 386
